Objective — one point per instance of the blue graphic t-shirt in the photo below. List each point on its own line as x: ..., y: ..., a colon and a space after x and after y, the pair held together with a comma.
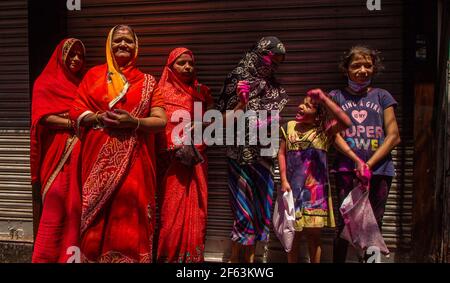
x: 366, y: 134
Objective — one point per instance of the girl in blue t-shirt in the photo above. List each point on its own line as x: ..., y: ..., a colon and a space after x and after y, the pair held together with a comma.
x: 365, y: 146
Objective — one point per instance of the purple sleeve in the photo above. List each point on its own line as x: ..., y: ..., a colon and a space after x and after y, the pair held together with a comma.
x: 387, y: 100
x: 335, y: 96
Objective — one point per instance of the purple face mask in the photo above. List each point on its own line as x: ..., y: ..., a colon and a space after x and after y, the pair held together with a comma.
x: 357, y: 87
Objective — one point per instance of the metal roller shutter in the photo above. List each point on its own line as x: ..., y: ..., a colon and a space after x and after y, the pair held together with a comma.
x: 15, y: 189
x: 315, y: 34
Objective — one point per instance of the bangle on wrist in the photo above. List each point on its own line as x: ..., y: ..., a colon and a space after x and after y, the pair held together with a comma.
x: 138, y: 123
x: 69, y: 124
x: 96, y: 117
x: 98, y: 122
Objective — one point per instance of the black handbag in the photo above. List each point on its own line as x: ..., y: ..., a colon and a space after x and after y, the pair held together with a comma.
x: 189, y: 155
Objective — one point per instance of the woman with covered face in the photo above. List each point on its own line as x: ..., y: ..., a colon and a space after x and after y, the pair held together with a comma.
x: 54, y: 151
x: 252, y: 86
x: 117, y: 111
x: 183, y: 177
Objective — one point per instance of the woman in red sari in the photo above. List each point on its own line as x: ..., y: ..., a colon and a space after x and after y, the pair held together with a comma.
x: 54, y: 151
x: 117, y: 110
x: 183, y: 195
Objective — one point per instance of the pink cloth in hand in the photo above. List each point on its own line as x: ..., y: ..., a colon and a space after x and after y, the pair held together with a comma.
x: 243, y: 90
x: 361, y: 228
x: 364, y: 176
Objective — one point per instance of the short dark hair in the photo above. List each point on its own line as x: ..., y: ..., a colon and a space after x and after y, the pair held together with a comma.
x: 321, y: 115
x: 348, y: 56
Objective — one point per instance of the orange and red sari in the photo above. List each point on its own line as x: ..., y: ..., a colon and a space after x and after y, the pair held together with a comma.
x: 53, y: 155
x: 117, y: 169
x: 183, y: 189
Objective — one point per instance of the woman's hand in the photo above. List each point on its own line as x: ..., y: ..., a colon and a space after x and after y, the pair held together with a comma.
x: 118, y: 118
x: 103, y: 120
x: 243, y: 91
x: 363, y: 172
x: 285, y: 187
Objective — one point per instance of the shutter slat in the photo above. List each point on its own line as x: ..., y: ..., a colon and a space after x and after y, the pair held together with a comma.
x: 15, y: 181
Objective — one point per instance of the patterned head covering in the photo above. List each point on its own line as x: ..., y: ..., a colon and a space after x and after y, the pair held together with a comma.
x: 265, y: 91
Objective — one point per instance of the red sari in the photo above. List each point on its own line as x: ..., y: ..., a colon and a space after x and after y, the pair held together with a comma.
x: 183, y: 189
x: 117, y: 172
x: 53, y: 155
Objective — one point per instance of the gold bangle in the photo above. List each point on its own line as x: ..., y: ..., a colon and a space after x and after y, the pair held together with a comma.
x: 96, y: 117
x: 138, y: 124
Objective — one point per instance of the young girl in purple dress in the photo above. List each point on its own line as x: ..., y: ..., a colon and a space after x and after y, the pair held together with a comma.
x: 303, y: 167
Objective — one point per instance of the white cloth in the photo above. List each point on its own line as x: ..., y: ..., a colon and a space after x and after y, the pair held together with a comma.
x: 284, y: 219
x: 361, y: 229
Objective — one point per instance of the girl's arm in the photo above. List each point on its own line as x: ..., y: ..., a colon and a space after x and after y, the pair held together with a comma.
x: 342, y: 121
x: 344, y: 148
x: 285, y: 187
x: 390, y: 141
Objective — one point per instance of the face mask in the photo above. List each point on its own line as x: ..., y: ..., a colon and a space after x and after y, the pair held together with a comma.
x: 357, y: 87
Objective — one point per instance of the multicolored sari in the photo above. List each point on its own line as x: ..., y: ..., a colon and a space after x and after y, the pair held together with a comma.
x: 183, y: 189
x: 117, y: 167
x: 251, y: 191
x: 53, y: 155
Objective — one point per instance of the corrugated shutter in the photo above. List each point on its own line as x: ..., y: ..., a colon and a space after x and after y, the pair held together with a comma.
x: 15, y: 187
x: 315, y: 34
